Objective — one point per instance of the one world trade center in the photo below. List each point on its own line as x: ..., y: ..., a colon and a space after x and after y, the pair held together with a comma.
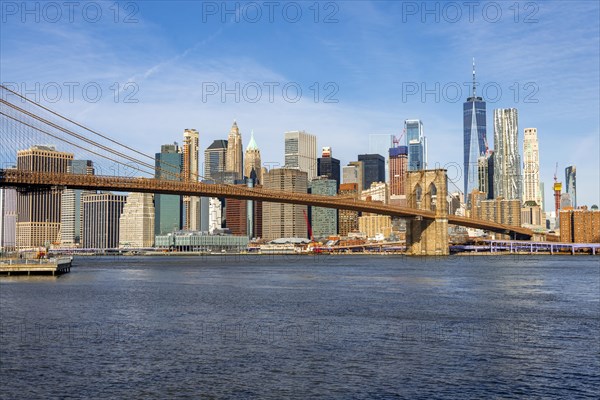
x: 475, y: 141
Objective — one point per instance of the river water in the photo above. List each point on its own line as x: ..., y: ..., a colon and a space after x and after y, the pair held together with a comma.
x: 304, y: 327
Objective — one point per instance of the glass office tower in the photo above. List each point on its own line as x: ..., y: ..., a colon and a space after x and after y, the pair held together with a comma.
x: 474, y: 138
x: 417, y: 146
x: 168, y: 208
x: 570, y: 184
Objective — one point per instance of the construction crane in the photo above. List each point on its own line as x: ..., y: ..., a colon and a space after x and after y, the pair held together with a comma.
x: 485, y: 142
x: 557, y: 191
x: 396, y: 139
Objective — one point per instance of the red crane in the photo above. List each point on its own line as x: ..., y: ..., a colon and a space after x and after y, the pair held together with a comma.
x: 396, y: 139
x: 485, y: 142
x: 310, y: 233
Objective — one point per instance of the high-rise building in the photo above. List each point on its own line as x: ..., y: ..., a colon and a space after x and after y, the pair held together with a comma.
x: 417, y: 144
x: 244, y: 217
x: 8, y: 219
x: 236, y: 215
x: 531, y: 167
x: 252, y: 161
x: 454, y: 204
x: 136, y: 225
x: 542, y: 191
x: 373, y: 169
x: 378, y: 191
x: 474, y: 203
x: 570, y: 184
x: 499, y: 210
x: 168, y: 208
x: 222, y: 163
x: 101, y: 216
x: 347, y: 219
x: 71, y: 218
x: 254, y: 209
x: 215, y: 214
x: 398, y: 170
x: 324, y: 221
x: 191, y: 205
x: 373, y: 225
x: 301, y: 152
x: 485, y: 165
x: 284, y: 220
x: 532, y: 215
x: 565, y: 201
x: 507, y: 160
x: 234, y: 161
x: 38, y: 211
x: 353, y: 173
x: 474, y: 138
x: 380, y: 143
x: 204, y: 213
x: 214, y: 159
x: 580, y: 226
x: 329, y: 166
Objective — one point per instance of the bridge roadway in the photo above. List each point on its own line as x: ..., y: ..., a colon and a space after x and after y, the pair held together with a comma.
x: 31, y: 180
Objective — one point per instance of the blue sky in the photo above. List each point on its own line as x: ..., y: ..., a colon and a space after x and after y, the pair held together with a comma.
x: 543, y: 55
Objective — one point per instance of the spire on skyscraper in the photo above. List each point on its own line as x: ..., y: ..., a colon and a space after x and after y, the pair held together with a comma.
x: 473, y: 77
x: 474, y: 136
x: 252, y: 144
x: 252, y: 162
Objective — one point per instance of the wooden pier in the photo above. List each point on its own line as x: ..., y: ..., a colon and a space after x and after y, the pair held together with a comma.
x: 52, y: 266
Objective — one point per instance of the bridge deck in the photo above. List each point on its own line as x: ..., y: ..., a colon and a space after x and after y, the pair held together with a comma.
x: 28, y: 179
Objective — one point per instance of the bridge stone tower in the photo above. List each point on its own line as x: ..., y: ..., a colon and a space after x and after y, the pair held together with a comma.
x: 427, y: 190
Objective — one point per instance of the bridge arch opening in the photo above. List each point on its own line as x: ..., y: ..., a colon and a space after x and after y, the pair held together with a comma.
x: 418, y: 195
x: 432, y: 196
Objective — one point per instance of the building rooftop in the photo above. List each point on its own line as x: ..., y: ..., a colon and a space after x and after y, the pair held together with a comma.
x: 218, y: 144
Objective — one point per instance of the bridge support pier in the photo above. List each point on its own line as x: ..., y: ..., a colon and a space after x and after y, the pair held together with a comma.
x: 427, y: 237
x: 427, y: 190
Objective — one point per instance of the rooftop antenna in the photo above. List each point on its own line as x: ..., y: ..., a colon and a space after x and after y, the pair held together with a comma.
x: 473, y: 77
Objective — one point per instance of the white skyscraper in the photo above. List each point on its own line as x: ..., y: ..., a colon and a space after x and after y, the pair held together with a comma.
x: 136, y: 225
x: 191, y: 205
x: 301, y: 152
x: 8, y: 218
x: 215, y: 214
x: 531, y: 167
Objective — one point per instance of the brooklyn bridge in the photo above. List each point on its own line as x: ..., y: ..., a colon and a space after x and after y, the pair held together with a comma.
x: 26, y: 123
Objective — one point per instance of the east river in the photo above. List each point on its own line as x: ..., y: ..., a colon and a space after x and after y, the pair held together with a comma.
x: 304, y: 327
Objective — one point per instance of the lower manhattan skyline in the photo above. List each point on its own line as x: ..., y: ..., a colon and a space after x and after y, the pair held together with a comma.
x: 355, y: 78
x: 295, y: 199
